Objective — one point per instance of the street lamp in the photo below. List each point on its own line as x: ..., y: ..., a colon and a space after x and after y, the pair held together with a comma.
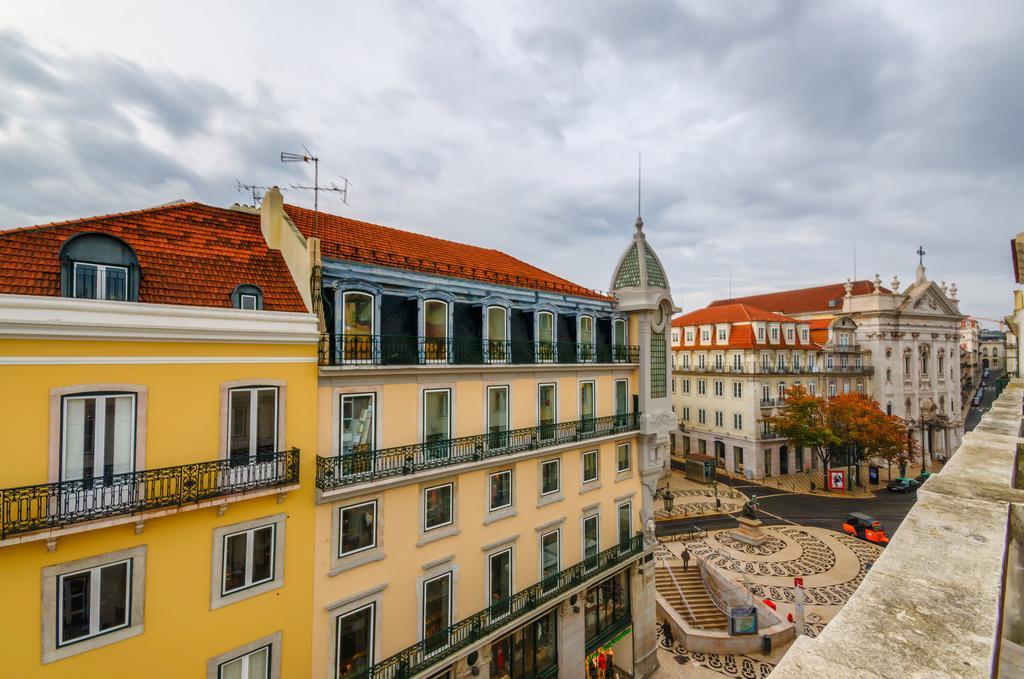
x: 668, y: 500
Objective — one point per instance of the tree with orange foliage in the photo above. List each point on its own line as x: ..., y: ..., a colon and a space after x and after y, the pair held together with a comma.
x: 805, y: 422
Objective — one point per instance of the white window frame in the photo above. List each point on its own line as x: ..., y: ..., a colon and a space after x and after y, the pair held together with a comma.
x: 719, y: 388
x: 702, y: 416
x: 250, y: 534
x: 341, y: 417
x: 625, y: 331
x: 51, y: 611
x: 737, y: 389
x: 558, y: 475
x: 95, y: 597
x: 593, y: 390
x: 629, y: 457
x: 702, y: 387
x: 618, y: 520
x: 341, y: 526
x: 583, y: 466
x: 686, y: 385
x: 254, y: 415
x: 271, y: 642
x: 719, y: 418
x: 511, y: 490
x: 245, y: 297
x: 423, y: 407
x: 557, y: 532
x: 451, y: 507
x: 737, y: 421
x: 101, y: 280
x: 511, y: 575
x: 372, y: 627
x: 99, y: 434
x: 450, y: 576
x: 245, y: 662
x: 596, y: 518
x: 219, y: 597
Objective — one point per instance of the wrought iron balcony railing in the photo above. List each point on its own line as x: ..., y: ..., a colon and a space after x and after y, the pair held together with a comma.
x: 396, y: 350
x: 438, y: 648
x: 368, y: 465
x: 52, y: 505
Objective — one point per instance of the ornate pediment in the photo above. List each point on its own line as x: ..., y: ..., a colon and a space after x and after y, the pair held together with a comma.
x: 929, y: 299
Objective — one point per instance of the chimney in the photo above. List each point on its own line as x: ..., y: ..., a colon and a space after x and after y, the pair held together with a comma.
x: 272, y: 217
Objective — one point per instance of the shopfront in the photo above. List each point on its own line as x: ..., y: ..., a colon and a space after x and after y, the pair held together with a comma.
x: 531, y: 652
x: 608, y: 624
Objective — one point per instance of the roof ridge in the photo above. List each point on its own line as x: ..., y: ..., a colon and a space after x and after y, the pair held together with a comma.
x: 112, y: 215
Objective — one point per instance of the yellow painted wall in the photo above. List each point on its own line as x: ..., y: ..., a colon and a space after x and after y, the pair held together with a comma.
x: 183, y: 426
x: 399, y: 507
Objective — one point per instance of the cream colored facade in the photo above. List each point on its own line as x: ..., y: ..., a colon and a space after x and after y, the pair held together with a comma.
x: 722, y: 394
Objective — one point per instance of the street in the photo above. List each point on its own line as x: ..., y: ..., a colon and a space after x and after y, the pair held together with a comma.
x: 974, y: 414
x: 780, y: 507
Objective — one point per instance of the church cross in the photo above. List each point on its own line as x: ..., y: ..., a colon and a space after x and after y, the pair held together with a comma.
x: 920, y: 255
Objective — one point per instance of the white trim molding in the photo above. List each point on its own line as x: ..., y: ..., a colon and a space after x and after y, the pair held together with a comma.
x: 39, y: 317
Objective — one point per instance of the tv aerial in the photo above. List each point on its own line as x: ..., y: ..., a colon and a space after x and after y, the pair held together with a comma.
x: 254, y: 190
x: 316, y: 188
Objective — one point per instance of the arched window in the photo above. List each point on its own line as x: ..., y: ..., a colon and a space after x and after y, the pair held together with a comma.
x: 619, y: 334
x: 98, y: 266
x: 247, y: 297
x: 357, y: 324
x: 906, y: 363
x: 924, y: 360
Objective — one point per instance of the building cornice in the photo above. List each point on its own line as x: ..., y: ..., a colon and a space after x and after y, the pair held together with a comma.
x: 36, y: 317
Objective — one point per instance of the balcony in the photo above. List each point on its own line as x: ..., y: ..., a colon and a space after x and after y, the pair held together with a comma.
x: 767, y: 435
x: 439, y: 648
x: 772, y: 402
x: 54, y: 505
x: 760, y: 369
x: 363, y: 350
x: 370, y: 465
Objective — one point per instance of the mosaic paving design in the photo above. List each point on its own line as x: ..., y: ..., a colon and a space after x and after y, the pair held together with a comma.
x: 816, y: 557
x: 766, y: 548
x: 729, y: 665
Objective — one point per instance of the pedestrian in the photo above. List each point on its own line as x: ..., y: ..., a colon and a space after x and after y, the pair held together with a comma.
x: 686, y: 558
x: 610, y: 662
x: 666, y: 634
x: 602, y: 663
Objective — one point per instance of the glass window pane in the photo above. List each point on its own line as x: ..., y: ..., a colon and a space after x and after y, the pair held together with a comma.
x: 436, y: 606
x: 501, y: 576
x: 234, y: 561
x: 545, y: 326
x: 354, y: 652
x: 113, y: 596
x: 74, y: 603
x: 357, y: 426
x: 586, y: 330
x: 586, y: 400
x: 259, y: 664
x: 438, y: 506
x: 549, y: 554
x: 266, y: 420
x: 238, y: 437
x: 435, y: 413
x: 263, y: 554
x: 591, y: 541
x: 501, y: 490
x: 589, y: 466
x: 79, y: 439
x: 358, y: 314
x: 232, y: 669
x: 435, y: 319
x: 546, y: 396
x: 625, y: 528
x: 85, y: 281
x: 119, y: 414
x: 497, y: 326
x: 621, y: 397
x: 117, y: 284
x: 549, y: 476
x: 619, y: 332
x: 358, y: 527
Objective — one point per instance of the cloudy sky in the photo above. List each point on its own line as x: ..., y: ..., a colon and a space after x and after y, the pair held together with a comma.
x: 777, y: 137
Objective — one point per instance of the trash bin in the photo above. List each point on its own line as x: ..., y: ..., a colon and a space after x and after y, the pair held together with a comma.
x: 766, y: 644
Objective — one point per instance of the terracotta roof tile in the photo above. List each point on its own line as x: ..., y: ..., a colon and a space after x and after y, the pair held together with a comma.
x: 741, y: 332
x: 356, y: 241
x: 804, y: 300
x: 190, y: 254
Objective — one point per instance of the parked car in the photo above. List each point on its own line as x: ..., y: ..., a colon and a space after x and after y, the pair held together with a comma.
x: 865, y: 528
x: 922, y: 477
x: 976, y: 401
x: 903, y: 485
x: 986, y: 373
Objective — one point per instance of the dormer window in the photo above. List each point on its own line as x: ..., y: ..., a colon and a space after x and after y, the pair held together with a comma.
x: 789, y: 334
x: 689, y: 336
x: 98, y: 266
x: 722, y: 334
x: 247, y: 297
x: 760, y: 333
x: 775, y: 335
x: 705, y: 336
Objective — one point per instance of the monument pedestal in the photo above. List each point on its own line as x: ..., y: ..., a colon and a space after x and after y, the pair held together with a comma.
x: 750, y: 531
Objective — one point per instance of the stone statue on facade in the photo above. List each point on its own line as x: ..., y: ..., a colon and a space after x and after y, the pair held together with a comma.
x: 750, y: 507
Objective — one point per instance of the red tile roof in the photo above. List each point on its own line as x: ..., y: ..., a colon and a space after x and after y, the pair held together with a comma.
x: 729, y: 313
x: 190, y: 254
x: 352, y: 240
x: 804, y: 300
x: 741, y: 332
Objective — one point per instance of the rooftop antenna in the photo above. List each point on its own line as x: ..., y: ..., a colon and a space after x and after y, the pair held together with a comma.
x: 308, y: 157
x: 254, y: 190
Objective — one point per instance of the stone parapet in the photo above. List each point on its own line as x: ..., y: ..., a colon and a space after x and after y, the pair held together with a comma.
x: 932, y: 604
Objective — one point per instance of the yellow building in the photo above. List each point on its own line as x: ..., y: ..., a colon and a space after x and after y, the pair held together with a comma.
x: 448, y: 473
x: 159, y: 415
x: 490, y: 437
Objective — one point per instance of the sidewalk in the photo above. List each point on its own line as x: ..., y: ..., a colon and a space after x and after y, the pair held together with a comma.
x: 801, y: 481
x: 691, y: 499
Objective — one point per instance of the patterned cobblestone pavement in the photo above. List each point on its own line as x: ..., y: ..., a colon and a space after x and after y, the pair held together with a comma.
x: 832, y: 565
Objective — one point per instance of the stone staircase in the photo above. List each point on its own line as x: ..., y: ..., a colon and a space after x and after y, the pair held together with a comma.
x: 705, y: 615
